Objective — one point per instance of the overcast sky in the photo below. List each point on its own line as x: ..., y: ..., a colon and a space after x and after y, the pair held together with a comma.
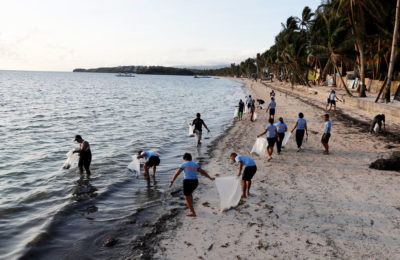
x: 60, y: 35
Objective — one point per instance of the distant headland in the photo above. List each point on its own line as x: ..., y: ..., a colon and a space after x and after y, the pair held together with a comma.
x: 156, y: 70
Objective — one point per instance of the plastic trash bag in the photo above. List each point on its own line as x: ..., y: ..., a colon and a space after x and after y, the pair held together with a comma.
x: 134, y: 166
x: 255, y: 116
x: 191, y: 130
x: 286, y: 138
x: 376, y: 128
x: 235, y: 114
x: 246, y: 109
x: 230, y: 191
x: 260, y: 147
x: 72, y: 159
x: 263, y: 106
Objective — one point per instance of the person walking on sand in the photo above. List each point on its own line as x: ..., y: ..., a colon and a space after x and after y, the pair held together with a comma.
x: 249, y: 170
x: 272, y: 136
x: 198, y: 128
x: 332, y: 100
x: 301, y: 127
x: 152, y: 161
x: 378, y: 119
x: 240, y: 110
x: 271, y: 108
x: 85, y: 155
x: 272, y: 94
x: 249, y: 102
x: 327, y: 134
x: 190, y: 181
x: 281, y: 128
x: 252, y: 109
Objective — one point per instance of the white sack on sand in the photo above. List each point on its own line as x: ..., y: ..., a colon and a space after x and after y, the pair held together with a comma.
x: 72, y: 159
x: 286, y: 138
x: 255, y: 116
x: 260, y: 147
x: 135, y: 166
x: 235, y: 114
x: 191, y: 130
x: 246, y: 109
x: 229, y: 189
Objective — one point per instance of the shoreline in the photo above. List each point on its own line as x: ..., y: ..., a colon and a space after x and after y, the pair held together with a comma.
x: 253, y: 230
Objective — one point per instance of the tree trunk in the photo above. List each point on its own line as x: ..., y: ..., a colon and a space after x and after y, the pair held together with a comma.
x: 381, y: 90
x: 344, y: 84
x: 393, y: 53
x: 362, y: 70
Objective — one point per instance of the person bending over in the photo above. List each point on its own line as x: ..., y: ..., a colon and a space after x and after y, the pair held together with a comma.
x: 85, y: 155
x: 327, y: 134
x: 190, y: 181
x: 152, y: 161
x: 301, y: 127
x: 272, y: 136
x: 378, y: 119
x: 198, y: 128
x: 248, y: 173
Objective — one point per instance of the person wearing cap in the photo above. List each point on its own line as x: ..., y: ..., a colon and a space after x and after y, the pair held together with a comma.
x: 85, y: 154
x: 271, y: 108
x: 198, y: 127
x: 327, y: 134
x: 152, y: 161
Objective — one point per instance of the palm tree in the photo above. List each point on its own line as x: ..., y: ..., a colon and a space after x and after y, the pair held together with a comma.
x: 393, y: 53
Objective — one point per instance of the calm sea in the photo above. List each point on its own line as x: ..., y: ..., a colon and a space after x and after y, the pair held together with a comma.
x: 50, y: 213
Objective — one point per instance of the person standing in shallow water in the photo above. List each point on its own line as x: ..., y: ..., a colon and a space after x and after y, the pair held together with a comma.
x: 85, y: 155
x: 327, y: 134
x: 190, y: 181
x: 301, y: 127
x: 240, y: 110
x: 198, y: 127
x: 248, y: 173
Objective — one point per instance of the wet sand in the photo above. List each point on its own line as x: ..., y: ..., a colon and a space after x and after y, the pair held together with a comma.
x: 302, y: 205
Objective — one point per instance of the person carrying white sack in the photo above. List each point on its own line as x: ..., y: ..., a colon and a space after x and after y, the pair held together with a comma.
x: 198, y: 128
x: 85, y: 154
x: 272, y: 136
x: 190, y: 181
x: 152, y: 161
x: 249, y: 170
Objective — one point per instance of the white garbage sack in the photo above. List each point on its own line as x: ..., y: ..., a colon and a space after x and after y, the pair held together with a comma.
x: 255, y: 116
x: 230, y: 191
x: 72, y: 160
x: 376, y: 128
x: 286, y: 139
x: 246, y: 109
x: 235, y: 114
x: 263, y: 106
x: 134, y: 166
x: 260, y: 147
x: 191, y: 130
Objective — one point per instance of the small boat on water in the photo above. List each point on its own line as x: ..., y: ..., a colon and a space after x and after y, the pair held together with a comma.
x: 201, y: 77
x: 125, y: 75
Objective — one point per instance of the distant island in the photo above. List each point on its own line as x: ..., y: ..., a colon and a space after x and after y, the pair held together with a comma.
x: 157, y: 70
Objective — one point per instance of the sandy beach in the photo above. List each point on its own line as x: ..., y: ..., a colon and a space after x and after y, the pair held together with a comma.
x: 303, y: 205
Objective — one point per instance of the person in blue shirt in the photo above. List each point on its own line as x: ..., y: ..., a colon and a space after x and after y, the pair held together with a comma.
x: 301, y: 127
x: 271, y: 108
x: 152, y: 161
x: 272, y: 136
x: 281, y: 129
x: 332, y: 100
x: 249, y: 170
x: 327, y: 134
x: 190, y: 181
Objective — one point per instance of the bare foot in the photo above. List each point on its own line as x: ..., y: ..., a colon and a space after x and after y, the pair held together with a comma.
x: 191, y: 214
x: 269, y: 159
x: 326, y: 153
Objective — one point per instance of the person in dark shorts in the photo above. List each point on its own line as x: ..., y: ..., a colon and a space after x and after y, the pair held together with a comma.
x: 271, y: 108
x: 327, y: 134
x: 378, y: 119
x: 198, y: 128
x: 152, y: 161
x: 281, y: 128
x: 272, y: 136
x: 332, y: 100
x: 249, y: 170
x: 85, y: 155
x: 240, y: 110
x: 301, y: 128
x: 190, y: 181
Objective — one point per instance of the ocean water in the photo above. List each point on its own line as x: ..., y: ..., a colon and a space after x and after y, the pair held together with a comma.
x: 47, y: 212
